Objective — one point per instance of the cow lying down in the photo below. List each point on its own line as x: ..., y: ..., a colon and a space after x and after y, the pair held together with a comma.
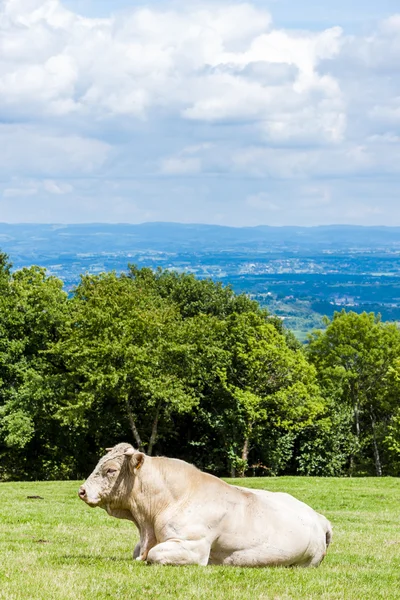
x: 185, y: 516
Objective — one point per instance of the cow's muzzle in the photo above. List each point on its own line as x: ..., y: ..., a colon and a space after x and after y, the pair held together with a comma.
x: 90, y: 500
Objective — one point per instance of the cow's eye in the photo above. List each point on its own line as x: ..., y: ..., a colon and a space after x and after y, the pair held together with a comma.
x: 111, y: 471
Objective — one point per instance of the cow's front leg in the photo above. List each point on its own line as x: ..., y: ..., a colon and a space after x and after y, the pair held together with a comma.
x: 136, y: 552
x: 147, y: 541
x: 180, y: 552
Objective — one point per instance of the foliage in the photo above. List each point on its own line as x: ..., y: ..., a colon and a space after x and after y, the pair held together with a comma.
x: 186, y: 367
x: 122, y: 346
x: 357, y: 359
x: 272, y: 387
x: 33, y: 308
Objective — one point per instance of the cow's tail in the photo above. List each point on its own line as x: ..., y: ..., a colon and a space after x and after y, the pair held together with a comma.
x: 327, y: 527
x: 328, y: 533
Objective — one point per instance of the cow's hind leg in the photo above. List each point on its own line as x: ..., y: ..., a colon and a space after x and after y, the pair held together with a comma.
x: 180, y: 552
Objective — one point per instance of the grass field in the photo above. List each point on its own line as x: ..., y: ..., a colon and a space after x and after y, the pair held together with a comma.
x: 58, y: 548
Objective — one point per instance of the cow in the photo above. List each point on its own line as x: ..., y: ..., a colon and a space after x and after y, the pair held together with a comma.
x: 185, y: 516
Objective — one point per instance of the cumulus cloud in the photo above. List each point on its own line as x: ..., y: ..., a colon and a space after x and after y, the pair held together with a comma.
x: 192, y: 90
x: 192, y: 62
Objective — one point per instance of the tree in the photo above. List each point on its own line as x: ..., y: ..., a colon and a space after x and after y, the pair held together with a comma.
x: 272, y: 386
x: 391, y: 433
x: 194, y: 296
x: 257, y: 374
x: 121, y: 346
x: 32, y: 311
x: 354, y: 357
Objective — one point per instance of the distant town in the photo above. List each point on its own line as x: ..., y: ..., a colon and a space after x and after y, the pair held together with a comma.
x: 299, y: 274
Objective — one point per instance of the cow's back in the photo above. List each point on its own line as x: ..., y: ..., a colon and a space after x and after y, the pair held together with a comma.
x: 265, y: 527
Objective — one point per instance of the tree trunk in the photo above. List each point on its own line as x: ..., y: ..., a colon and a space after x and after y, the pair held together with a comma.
x: 153, y: 436
x: 245, y: 449
x: 357, y: 423
x: 133, y: 425
x: 245, y: 454
x: 351, y: 465
x: 357, y: 418
x: 378, y: 464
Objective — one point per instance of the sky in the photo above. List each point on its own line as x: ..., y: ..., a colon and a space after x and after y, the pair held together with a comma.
x: 280, y: 112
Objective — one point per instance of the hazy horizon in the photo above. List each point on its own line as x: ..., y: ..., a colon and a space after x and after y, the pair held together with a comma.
x: 197, y: 224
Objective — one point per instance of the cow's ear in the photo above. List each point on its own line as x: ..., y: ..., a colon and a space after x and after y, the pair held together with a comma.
x: 136, y: 458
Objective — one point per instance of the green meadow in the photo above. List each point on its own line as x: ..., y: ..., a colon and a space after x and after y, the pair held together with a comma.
x: 55, y: 547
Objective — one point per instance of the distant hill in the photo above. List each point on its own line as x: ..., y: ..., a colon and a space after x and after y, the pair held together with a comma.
x: 32, y: 239
x: 299, y: 273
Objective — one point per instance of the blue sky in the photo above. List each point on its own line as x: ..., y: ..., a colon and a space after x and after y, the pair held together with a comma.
x: 277, y: 112
x: 354, y: 15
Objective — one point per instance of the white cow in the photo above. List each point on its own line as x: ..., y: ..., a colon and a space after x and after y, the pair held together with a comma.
x: 185, y: 516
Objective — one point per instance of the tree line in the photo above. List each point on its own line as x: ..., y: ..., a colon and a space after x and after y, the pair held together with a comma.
x: 185, y: 367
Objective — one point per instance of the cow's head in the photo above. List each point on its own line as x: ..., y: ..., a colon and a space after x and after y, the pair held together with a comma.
x: 112, y: 479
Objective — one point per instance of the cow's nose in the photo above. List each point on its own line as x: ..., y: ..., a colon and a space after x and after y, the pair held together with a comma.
x: 82, y: 492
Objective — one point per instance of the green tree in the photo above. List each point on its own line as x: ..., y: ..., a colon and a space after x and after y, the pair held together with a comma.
x: 354, y: 357
x: 273, y: 387
x: 121, y: 346
x: 391, y: 435
x: 195, y: 296
x: 32, y: 308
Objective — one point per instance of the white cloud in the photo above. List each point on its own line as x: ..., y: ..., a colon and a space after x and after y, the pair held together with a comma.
x: 34, y: 187
x: 391, y: 25
x: 188, y: 161
x: 36, y: 150
x: 189, y: 61
x: 58, y: 188
x: 262, y: 202
x: 190, y: 90
x: 180, y: 165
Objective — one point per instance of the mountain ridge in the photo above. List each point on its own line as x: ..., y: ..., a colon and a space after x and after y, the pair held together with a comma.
x: 168, y: 236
